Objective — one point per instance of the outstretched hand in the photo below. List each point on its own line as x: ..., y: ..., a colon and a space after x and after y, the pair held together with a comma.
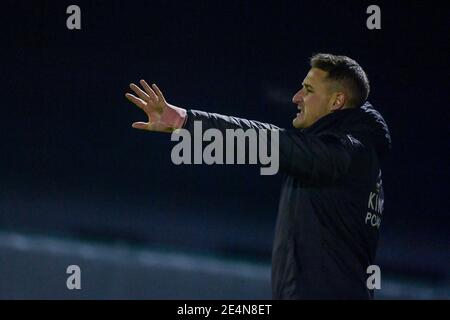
x: 162, y: 116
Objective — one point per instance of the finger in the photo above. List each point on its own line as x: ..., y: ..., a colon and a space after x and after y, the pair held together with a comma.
x: 140, y: 125
x: 141, y: 94
x: 158, y: 92
x: 138, y: 102
x: 149, y: 90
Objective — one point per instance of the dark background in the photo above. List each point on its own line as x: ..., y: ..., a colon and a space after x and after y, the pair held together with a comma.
x: 71, y: 165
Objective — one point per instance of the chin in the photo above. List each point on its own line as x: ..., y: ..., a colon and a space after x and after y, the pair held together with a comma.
x: 298, y: 124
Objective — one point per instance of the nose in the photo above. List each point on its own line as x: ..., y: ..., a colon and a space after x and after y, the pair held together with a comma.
x: 298, y: 97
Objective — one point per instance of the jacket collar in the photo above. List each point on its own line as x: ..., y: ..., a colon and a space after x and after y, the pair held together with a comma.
x: 330, y: 120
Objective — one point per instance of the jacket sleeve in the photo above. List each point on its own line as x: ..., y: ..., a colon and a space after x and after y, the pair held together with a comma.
x: 221, y: 122
x: 312, y: 158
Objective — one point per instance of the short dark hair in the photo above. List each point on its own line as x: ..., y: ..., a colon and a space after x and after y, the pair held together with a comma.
x: 347, y: 72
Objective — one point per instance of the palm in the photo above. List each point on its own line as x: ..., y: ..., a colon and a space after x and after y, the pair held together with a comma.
x: 152, y: 102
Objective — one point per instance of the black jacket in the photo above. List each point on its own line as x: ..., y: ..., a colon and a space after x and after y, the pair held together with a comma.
x: 331, y: 202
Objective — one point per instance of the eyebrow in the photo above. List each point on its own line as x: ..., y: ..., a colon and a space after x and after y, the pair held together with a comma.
x: 308, y: 86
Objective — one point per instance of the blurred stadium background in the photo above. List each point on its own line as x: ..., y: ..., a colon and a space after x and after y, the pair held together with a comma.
x: 79, y: 186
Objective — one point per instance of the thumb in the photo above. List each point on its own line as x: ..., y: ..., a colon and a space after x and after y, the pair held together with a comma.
x: 140, y: 125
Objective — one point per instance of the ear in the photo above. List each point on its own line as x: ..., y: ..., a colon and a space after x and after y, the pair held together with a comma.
x: 339, y: 101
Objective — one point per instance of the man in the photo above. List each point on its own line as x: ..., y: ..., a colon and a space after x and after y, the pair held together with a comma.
x: 332, y: 197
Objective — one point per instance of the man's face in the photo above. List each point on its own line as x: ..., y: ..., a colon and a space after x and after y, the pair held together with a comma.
x: 314, y: 100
